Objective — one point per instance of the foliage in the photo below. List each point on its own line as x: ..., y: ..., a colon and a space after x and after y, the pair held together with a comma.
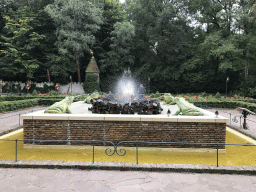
x: 19, y: 42
x: 217, y: 96
x: 34, y: 93
x: 171, y: 46
x: 91, y: 83
x: 77, y: 21
x: 14, y: 105
x: 53, y: 93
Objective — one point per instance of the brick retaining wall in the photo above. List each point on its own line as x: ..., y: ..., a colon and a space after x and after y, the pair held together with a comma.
x: 116, y: 131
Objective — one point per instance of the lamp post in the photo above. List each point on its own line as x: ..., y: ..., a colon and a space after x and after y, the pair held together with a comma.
x: 227, y: 86
x: 149, y: 85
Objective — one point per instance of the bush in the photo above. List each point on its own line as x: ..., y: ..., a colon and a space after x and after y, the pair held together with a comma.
x: 13, y: 105
x: 217, y: 96
x: 91, y: 83
x: 32, y: 88
x: 34, y: 93
x: 45, y: 88
x: 53, y: 93
x: 203, y: 94
x: 49, y: 101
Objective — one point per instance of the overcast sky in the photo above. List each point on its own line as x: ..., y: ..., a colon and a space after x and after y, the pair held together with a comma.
x: 121, y: 1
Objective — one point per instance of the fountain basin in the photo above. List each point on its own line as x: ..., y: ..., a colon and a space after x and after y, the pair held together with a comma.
x: 116, y: 128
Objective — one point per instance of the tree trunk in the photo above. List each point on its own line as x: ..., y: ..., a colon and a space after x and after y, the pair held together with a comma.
x: 78, y: 67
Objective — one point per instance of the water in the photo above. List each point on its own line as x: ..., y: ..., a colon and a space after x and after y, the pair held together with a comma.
x: 233, y: 155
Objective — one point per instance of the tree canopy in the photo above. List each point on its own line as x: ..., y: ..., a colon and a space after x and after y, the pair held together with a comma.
x: 169, y: 45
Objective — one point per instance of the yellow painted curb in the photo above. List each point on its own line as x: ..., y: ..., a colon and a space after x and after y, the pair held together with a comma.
x: 248, y: 139
x: 11, y: 134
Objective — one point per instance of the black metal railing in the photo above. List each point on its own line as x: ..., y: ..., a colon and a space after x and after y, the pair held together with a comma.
x: 122, y: 151
x: 237, y: 120
x: 19, y: 114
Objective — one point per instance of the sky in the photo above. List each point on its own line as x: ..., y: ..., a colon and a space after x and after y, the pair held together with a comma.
x: 121, y: 1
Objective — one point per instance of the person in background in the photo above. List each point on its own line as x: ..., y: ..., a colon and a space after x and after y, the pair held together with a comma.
x: 110, y: 96
x: 141, y: 92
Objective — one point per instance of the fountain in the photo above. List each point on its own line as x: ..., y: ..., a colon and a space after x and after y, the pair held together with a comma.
x: 82, y: 124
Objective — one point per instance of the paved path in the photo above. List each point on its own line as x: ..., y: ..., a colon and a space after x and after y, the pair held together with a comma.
x: 31, y: 180
x: 26, y: 180
x: 251, y: 120
x: 10, y: 120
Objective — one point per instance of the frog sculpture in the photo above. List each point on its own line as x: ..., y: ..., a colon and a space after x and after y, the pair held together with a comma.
x: 61, y: 107
x: 186, y: 108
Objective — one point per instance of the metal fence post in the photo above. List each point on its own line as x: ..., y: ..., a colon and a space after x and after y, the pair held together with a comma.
x: 217, y: 154
x: 16, y: 150
x: 137, y: 158
x: 93, y: 152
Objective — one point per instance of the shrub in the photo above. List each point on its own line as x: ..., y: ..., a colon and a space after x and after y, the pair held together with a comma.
x: 32, y: 88
x: 203, y: 94
x: 34, y: 93
x: 45, y: 88
x: 53, y: 93
x: 91, y: 83
x: 217, y: 96
x: 13, y: 105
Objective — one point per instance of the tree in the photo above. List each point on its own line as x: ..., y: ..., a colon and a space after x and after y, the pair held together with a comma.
x: 221, y: 50
x: 161, y: 42
x: 20, y: 42
x: 76, y: 23
x: 91, y: 83
x: 109, y: 65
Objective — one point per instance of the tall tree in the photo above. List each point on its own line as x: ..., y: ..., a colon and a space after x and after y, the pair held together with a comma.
x: 20, y: 43
x: 220, y: 52
x: 76, y: 23
x: 161, y: 42
x: 112, y: 48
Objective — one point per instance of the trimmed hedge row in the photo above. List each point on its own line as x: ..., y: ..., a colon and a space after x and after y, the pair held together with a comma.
x: 14, y: 105
x: 17, y: 98
x: 48, y: 101
x: 226, y: 104
x: 21, y: 104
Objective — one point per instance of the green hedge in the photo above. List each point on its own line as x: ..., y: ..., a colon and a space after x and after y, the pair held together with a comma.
x: 17, y: 98
x: 225, y: 104
x: 14, y: 105
x: 48, y: 101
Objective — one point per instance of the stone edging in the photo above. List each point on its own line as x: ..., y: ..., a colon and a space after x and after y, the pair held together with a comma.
x: 241, y: 130
x: 10, y: 130
x: 180, y: 168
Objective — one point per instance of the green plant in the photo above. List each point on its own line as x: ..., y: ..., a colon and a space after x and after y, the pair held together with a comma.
x: 20, y: 104
x: 203, y: 94
x: 217, y: 96
x: 53, y: 93
x: 32, y: 88
x: 34, y: 93
x: 45, y: 88
x: 91, y: 83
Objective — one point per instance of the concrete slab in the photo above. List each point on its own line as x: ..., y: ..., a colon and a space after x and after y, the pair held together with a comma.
x: 30, y: 179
